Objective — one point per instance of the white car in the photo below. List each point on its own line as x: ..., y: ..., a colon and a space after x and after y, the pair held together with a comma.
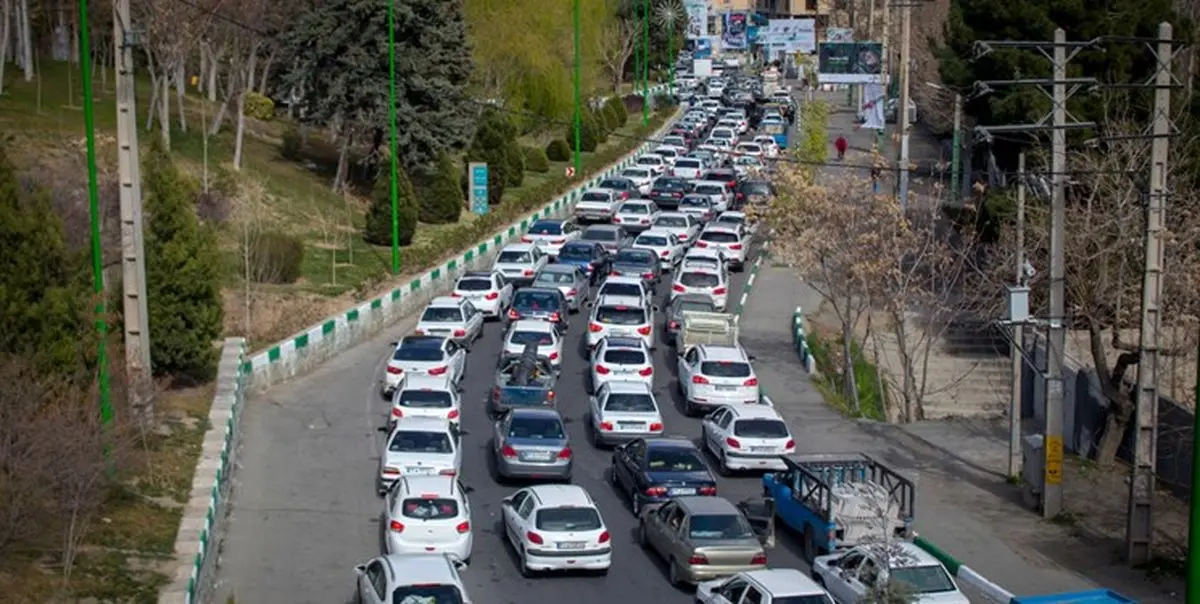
x: 743, y: 121
x: 451, y: 317
x: 641, y: 177
x: 409, y: 578
x: 710, y: 107
x: 702, y: 208
x: 769, y: 146
x: 428, y: 515
x: 621, y: 360
x: 490, y: 293
x: 711, y: 376
x: 749, y: 149
x: 678, y: 143
x: 748, y: 166
x: 703, y: 281
x: 432, y: 396
x: 726, y: 129
x: 669, y: 154
x: 688, y: 167
x: 544, y: 334
x: 850, y: 575
x: 551, y: 235
x: 656, y: 164
x: 624, y: 411
x: 765, y: 586
x: 732, y: 219
x: 719, y: 192
x: 630, y: 287
x: 519, y: 262
x: 424, y: 355
x: 664, y: 244
x: 683, y: 226
x: 621, y: 316
x: 419, y: 446
x: 597, y: 205
x: 728, y: 241
x: 747, y: 437
x: 556, y: 527
x: 636, y: 216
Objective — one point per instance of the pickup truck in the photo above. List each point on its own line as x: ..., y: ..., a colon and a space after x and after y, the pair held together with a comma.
x: 835, y: 501
x: 708, y: 329
x: 524, y: 380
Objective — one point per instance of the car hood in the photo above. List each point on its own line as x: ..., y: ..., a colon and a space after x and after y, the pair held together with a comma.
x: 419, y: 459
x: 679, y: 477
x: 574, y: 261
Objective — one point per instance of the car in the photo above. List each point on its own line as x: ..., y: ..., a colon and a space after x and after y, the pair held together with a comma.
x: 688, y: 167
x: 574, y: 284
x: 451, y: 317
x: 746, y: 166
x: 410, y: 578
x: 675, y: 141
x: 701, y: 207
x: 747, y: 437
x: 551, y: 235
x: 731, y: 219
x: 706, y: 282
x: 612, y: 237
x: 749, y: 149
x: 531, y: 443
x: 729, y: 124
x: 769, y: 146
x: 621, y: 316
x: 419, y: 446
x: 721, y: 194
x: 729, y: 242
x: 519, y: 262
x: 683, y: 226
x: 722, y: 133
x: 622, y: 411
x: 556, y: 528
x: 663, y: 244
x: 587, y: 256
x: 755, y: 191
x: 616, y: 359
x: 668, y: 190
x: 542, y: 334
x: 489, y: 292
x: 768, y: 586
x: 642, y: 177
x: 680, y: 304
x: 636, y: 216
x: 704, y: 258
x: 655, y: 163
x: 525, y: 381
x: 635, y: 262
x: 544, y: 303
x: 428, y: 515
x: 669, y: 154
x: 711, y: 376
x: 424, y: 355
x: 623, y: 187
x: 851, y: 575
x: 653, y: 470
x: 597, y: 205
x: 700, y: 539
x: 426, y: 396
x: 627, y: 286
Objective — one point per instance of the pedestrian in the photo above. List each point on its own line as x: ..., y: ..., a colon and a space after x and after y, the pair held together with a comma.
x: 841, y: 144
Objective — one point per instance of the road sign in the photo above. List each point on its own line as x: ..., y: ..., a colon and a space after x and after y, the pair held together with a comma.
x: 479, y: 188
x: 570, y: 171
x: 1054, y: 460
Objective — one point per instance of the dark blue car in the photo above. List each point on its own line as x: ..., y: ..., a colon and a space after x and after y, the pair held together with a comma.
x: 654, y: 470
x: 588, y: 256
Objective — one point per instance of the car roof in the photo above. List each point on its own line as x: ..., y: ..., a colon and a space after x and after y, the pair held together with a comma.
x: 911, y: 555
x: 600, y: 191
x: 720, y: 228
x: 562, y: 495
x: 670, y: 442
x: 603, y: 227
x: 518, y: 247
x: 446, y: 302
x: 633, y: 202
x: 637, y: 343
x: 723, y: 354
x: 623, y: 387
x: 582, y: 244
x: 539, y: 290
x: 414, y: 569
x: 673, y: 215
x: 559, y: 268
x: 755, y: 412
x: 651, y: 156
x: 715, y: 183
x: 701, y: 252
x: 421, y: 424
x: 435, y: 485
x: 428, y: 382
x: 478, y: 275
x: 654, y: 233
x: 700, y: 504
x: 611, y: 300
x: 783, y: 582
x: 733, y: 213
x: 548, y: 221
x: 532, y: 325
x: 705, y: 298
x: 421, y: 342
x: 535, y: 412
x: 622, y: 279
x: 700, y: 269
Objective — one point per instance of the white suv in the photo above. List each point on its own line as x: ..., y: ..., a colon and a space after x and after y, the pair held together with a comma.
x: 556, y: 527
x: 707, y: 282
x: 727, y: 240
x: 621, y: 316
x: 428, y: 515
x: 747, y: 437
x: 410, y: 578
x: 621, y: 360
x: 710, y: 376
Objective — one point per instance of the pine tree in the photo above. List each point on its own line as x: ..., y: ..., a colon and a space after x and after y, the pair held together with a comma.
x: 183, y: 273
x: 490, y: 146
x: 379, y: 216
x: 440, y: 194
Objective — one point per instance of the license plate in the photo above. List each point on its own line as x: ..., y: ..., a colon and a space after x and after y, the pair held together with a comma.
x: 621, y: 333
x: 630, y: 425
x: 538, y: 456
x: 572, y: 545
x: 680, y: 491
x: 418, y: 470
x: 726, y: 388
x: 761, y: 449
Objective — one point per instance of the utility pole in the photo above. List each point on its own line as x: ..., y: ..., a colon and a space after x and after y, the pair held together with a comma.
x: 1141, y: 486
x: 1061, y: 89
x: 1018, y: 335
x: 133, y: 258
x: 902, y: 109
x: 886, y: 51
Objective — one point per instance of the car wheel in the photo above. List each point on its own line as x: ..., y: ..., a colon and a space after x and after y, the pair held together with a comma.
x: 635, y: 502
x: 525, y: 570
x: 641, y: 534
x: 723, y: 464
x: 673, y: 574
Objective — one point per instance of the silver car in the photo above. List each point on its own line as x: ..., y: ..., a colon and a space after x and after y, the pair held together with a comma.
x: 532, y: 444
x: 569, y: 279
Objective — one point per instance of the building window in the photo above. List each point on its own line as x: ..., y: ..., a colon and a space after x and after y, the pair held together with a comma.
x: 811, y: 6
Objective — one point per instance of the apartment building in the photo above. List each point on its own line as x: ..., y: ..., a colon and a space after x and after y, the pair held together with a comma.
x: 813, y: 9
x: 735, y: 6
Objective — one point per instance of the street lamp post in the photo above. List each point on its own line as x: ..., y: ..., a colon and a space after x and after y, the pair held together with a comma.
x: 645, y: 62
x: 394, y: 142
x: 578, y: 94
x: 955, y: 141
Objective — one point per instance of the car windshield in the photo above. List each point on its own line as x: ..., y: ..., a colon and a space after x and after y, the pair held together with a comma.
x: 719, y: 237
x: 924, y: 579
x: 424, y: 354
x: 624, y: 356
x: 687, y: 164
x: 731, y: 219
x: 596, y: 196
x: 719, y: 526
x: 695, y: 279
x: 546, y: 228
x: 725, y: 369
x: 427, y: 594
x: 541, y: 428
x: 474, y: 285
x: 696, y: 305
x: 568, y: 520
x: 411, y: 441
x: 620, y: 289
x: 614, y: 183
x: 634, y: 257
x: 425, y: 399
x: 515, y: 257
x: 710, y: 189
x: 630, y: 403
x: 760, y: 428
x: 671, y: 221
x: 439, y: 314
x: 575, y: 252
x: 600, y: 235
x: 433, y: 508
x: 695, y: 202
x: 652, y: 241
x: 620, y: 315
x: 805, y: 599
x: 540, y: 338
x: 635, y: 208
x: 555, y: 278
x: 535, y: 301
x: 649, y: 161
x: 672, y: 459
x: 636, y: 174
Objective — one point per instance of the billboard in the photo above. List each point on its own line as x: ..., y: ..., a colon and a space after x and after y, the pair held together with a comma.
x: 789, y: 36
x: 734, y: 35
x: 697, y: 13
x: 850, y: 63
x: 839, y: 34
x: 703, y: 48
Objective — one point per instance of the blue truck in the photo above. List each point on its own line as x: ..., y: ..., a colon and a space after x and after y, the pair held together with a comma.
x: 522, y: 380
x: 835, y: 501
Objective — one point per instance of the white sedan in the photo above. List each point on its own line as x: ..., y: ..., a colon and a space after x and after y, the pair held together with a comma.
x: 653, y: 162
x: 850, y: 576
x: 489, y: 292
x: 429, y: 515
x: 424, y: 355
x: 641, y: 177
x: 556, y: 528
x: 747, y: 437
x: 663, y: 244
x: 542, y: 334
x: 769, y: 146
x: 419, y: 446
x: 451, y: 317
x: 683, y: 226
x: 624, y: 411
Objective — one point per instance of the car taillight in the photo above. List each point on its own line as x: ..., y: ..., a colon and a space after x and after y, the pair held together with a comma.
x: 448, y: 473
x: 790, y: 444
x: 751, y: 382
x: 557, y: 241
x: 707, y: 491
x: 528, y: 272
x: 656, y: 427
x: 614, y: 274
x: 391, y: 472
x: 673, y: 325
x: 676, y: 194
x: 554, y: 356
x: 513, y: 315
x: 656, y: 491
x: 492, y: 296
x: 733, y: 442
x: 595, y: 327
x: 604, y: 537
x: 720, y: 291
x: 496, y: 394
x: 534, y: 538
x: 455, y: 295
x: 682, y: 237
x: 463, y: 527
x: 572, y: 292
x: 527, y: 240
x: 458, y: 333
x: 702, y: 243
x: 602, y: 370
x: 699, y: 379
x: 736, y: 246
x: 665, y: 253
x: 437, y: 371
x: 394, y: 370
x: 418, y: 332
x: 697, y: 560
x: 741, y: 195
x: 565, y: 453
x: 508, y: 452
x: 644, y: 330
x: 397, y: 413
x: 732, y: 183
x: 395, y: 526
x: 606, y: 426
x: 555, y: 317
x: 759, y: 559
x: 647, y: 372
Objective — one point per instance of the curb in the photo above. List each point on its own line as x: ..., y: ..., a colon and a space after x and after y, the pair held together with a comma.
x: 965, y: 574
x: 800, y: 341
x: 741, y: 305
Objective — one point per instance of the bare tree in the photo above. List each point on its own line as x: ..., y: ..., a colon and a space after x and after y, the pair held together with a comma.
x: 616, y: 43
x: 173, y: 32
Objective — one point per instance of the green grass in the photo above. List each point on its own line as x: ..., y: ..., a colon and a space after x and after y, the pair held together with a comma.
x: 827, y: 351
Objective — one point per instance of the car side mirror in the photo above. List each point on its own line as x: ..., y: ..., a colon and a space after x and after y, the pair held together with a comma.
x: 383, y: 429
x: 360, y: 569
x: 468, y: 488
x: 393, y: 344
x: 506, y: 503
x: 459, y: 563
x: 655, y: 308
x: 751, y: 357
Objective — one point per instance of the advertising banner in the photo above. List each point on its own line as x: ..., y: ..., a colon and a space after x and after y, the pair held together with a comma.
x: 874, y: 103
x: 850, y: 63
x: 789, y: 36
x: 697, y: 13
x: 734, y: 36
x: 703, y: 48
x: 839, y: 34
x: 479, y: 188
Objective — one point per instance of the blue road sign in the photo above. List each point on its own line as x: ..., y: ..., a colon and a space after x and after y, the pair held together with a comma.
x: 479, y: 188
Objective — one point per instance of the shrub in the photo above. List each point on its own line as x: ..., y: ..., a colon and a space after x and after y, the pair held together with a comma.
x: 588, y: 137
x: 292, y: 145
x: 633, y: 104
x: 558, y: 150
x: 378, y: 230
x: 598, y: 125
x: 440, y: 194
x: 515, y: 173
x: 615, y: 114
x: 259, y: 107
x: 664, y: 101
x: 536, y: 160
x: 274, y: 258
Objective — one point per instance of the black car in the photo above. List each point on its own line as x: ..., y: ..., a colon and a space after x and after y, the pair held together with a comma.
x: 755, y: 191
x: 539, y: 303
x: 725, y: 175
x: 623, y: 186
x: 680, y: 305
x: 588, y: 256
x: 631, y: 262
x: 653, y: 470
x: 668, y: 190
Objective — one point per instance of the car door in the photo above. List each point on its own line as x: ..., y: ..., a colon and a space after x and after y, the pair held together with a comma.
x: 685, y: 369
x: 658, y: 525
x: 594, y: 405
x: 570, y: 231
x: 712, y: 428
x: 583, y: 289
x: 843, y: 575
x: 474, y: 319
x: 631, y: 462
x: 458, y: 361
x: 865, y: 578
x: 729, y: 593
x: 511, y: 518
x: 754, y: 596
x: 372, y: 583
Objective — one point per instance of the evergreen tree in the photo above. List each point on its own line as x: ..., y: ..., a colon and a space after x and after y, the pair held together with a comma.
x: 440, y: 194
x: 379, y: 216
x: 491, y: 145
x: 183, y: 273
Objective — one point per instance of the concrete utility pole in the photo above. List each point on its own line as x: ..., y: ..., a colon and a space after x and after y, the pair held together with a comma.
x: 1018, y: 335
x: 133, y: 260
x: 1060, y: 52
x: 886, y: 69
x: 1141, y: 486
x: 905, y: 94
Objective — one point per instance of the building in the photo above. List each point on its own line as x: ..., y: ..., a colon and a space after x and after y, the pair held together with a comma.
x: 782, y: 9
x: 733, y: 6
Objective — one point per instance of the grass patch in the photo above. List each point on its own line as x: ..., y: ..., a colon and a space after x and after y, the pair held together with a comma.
x: 827, y: 351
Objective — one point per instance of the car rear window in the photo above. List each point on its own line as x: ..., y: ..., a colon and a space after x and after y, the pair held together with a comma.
x: 697, y: 306
x: 674, y: 459
x: 427, y: 594
x: 410, y: 441
x: 546, y: 228
x: 760, y: 428
x: 617, y: 185
x: 687, y: 164
x: 474, y: 285
x: 600, y: 235
x: 425, y: 399
x: 805, y: 599
x: 652, y: 241
x: 555, y: 278
x: 542, y: 428
x: 620, y: 289
x: 719, y: 237
x: 521, y: 338
x: 719, y: 526
x: 594, y: 196
x: 434, y: 508
x: 671, y: 221
x: 649, y: 161
x: 629, y: 403
x: 441, y: 315
x: 710, y: 190
x: 636, y: 173
x: 620, y: 315
x: 731, y: 219
x: 625, y: 356
x: 425, y: 354
x: 699, y: 280
x: 725, y: 369
x: 634, y: 257
x: 515, y: 257
x: 695, y: 202
x: 635, y: 208
x: 532, y: 300
x: 572, y: 251
x: 568, y: 520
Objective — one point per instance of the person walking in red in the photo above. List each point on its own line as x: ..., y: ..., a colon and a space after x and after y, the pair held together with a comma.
x: 841, y: 144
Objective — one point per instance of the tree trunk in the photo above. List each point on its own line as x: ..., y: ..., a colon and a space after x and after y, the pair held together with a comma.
x: 26, y: 39
x: 849, y: 383
x: 343, y: 166
x: 214, y: 66
x: 264, y: 79
x: 180, y: 86
x: 164, y: 110
x: 240, y: 137
x: 5, y: 40
x: 202, y: 82
x: 75, y: 34
x: 1115, y: 426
